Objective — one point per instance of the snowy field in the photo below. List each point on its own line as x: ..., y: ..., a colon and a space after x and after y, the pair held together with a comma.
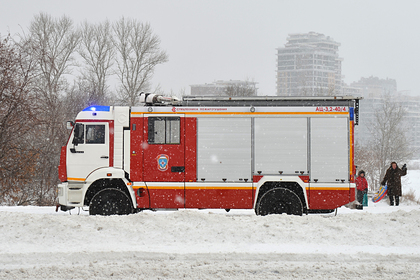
x: 379, y: 242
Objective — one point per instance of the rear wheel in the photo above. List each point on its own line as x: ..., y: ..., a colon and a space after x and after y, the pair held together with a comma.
x: 278, y: 201
x: 110, y: 202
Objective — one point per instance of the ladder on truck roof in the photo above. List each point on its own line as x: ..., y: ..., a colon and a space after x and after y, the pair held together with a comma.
x: 244, y: 98
x: 150, y: 99
x: 272, y: 101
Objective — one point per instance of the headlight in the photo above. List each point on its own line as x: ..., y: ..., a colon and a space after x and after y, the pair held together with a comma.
x: 60, y: 191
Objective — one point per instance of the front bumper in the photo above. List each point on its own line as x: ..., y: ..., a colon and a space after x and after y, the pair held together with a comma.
x: 70, y: 194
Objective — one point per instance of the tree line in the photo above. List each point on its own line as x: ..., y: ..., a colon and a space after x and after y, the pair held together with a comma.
x: 48, y: 74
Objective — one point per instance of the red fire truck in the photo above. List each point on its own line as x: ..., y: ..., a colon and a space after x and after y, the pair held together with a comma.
x: 289, y: 155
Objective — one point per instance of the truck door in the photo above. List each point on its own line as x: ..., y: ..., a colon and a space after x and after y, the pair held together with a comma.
x: 163, y: 162
x: 87, y: 150
x: 164, y: 149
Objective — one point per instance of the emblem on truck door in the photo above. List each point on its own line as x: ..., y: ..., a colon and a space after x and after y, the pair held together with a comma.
x: 163, y: 162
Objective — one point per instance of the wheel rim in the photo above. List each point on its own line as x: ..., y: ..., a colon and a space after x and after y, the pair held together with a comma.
x: 278, y: 201
x: 110, y: 202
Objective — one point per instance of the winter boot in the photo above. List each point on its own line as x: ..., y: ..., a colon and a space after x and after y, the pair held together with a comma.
x: 391, y: 200
x: 397, y: 200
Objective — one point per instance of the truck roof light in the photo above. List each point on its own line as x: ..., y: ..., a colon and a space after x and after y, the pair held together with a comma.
x: 97, y: 108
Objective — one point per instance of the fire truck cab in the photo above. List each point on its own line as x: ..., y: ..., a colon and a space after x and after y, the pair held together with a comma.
x: 276, y: 155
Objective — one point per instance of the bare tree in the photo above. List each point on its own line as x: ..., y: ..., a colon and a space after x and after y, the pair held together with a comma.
x: 138, y: 52
x: 246, y: 88
x: 366, y: 160
x: 388, y: 142
x: 78, y: 96
x: 332, y: 91
x: 98, y: 52
x: 17, y: 122
x: 53, y: 43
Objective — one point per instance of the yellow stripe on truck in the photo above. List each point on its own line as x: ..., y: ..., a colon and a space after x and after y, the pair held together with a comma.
x: 76, y: 179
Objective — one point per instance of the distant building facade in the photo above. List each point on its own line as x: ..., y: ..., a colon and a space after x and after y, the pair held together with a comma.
x: 309, y: 65
x: 373, y: 87
x: 226, y: 88
x: 374, y: 91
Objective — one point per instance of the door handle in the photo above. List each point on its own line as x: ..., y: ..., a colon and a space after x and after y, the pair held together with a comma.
x: 104, y: 156
x: 177, y: 169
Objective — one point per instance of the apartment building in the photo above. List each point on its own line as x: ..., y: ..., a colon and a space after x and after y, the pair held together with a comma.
x: 309, y: 65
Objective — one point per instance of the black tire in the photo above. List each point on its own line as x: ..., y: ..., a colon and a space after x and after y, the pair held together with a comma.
x: 278, y: 201
x: 110, y: 202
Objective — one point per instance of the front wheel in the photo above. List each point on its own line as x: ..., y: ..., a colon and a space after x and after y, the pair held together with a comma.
x: 278, y: 201
x: 110, y: 202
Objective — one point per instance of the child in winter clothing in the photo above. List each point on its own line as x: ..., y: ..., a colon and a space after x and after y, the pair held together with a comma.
x: 361, y: 185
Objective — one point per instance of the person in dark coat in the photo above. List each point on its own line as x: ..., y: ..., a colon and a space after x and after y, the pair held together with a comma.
x: 361, y: 186
x: 392, y: 179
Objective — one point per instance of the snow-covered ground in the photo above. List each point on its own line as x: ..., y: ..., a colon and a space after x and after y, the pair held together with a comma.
x: 379, y: 242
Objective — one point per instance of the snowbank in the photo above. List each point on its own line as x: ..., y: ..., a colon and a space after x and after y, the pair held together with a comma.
x: 379, y: 241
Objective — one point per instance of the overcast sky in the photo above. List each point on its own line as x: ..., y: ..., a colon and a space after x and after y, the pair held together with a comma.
x: 237, y: 39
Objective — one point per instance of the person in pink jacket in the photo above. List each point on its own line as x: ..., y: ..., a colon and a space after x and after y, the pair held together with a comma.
x: 361, y: 185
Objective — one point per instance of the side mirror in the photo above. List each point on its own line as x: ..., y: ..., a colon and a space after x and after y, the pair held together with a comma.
x: 70, y: 125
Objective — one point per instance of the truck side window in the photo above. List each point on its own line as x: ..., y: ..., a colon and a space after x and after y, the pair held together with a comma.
x: 172, y: 130
x: 95, y: 134
x: 164, y: 130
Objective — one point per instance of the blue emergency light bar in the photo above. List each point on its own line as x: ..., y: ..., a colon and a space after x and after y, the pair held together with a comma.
x: 97, y: 108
